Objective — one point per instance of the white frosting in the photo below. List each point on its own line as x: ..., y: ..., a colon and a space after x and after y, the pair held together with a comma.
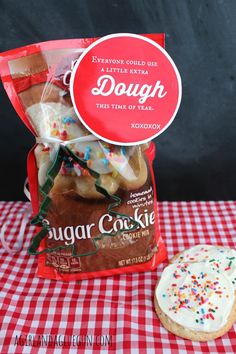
x: 120, y: 162
x: 219, y: 258
x: 96, y: 156
x: 43, y: 172
x: 195, y: 296
x: 44, y: 115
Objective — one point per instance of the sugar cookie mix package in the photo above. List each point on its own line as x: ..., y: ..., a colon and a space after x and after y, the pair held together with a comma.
x: 94, y: 202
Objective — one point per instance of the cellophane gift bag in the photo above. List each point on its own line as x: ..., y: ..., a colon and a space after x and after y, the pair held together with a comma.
x: 94, y: 202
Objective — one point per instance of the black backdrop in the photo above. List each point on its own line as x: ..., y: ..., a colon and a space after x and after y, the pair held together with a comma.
x: 196, y: 154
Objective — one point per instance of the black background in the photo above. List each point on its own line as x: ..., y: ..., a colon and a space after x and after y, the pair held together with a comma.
x: 196, y: 154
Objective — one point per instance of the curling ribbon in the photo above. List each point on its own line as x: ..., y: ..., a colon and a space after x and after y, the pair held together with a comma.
x: 64, y: 151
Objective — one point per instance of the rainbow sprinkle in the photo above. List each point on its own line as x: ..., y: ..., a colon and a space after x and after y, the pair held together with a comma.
x: 195, y: 294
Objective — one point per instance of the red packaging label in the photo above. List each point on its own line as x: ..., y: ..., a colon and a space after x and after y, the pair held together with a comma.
x: 137, y: 89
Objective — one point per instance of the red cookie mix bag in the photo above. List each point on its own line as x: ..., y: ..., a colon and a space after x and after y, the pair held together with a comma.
x: 94, y: 202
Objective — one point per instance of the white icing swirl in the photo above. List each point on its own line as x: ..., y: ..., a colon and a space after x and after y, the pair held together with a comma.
x: 219, y: 258
x: 195, y: 296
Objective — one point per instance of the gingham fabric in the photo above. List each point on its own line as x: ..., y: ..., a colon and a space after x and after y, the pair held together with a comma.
x: 106, y: 315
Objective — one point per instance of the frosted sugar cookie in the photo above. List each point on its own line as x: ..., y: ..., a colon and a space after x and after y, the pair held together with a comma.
x: 194, y: 301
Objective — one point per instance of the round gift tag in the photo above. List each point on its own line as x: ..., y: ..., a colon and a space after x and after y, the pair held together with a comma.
x: 125, y: 89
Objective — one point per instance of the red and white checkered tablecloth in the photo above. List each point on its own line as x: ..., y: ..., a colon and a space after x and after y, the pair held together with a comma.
x: 106, y: 315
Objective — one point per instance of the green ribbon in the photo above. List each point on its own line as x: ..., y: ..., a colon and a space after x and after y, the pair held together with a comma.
x: 39, y: 219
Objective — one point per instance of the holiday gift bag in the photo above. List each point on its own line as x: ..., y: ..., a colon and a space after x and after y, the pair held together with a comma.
x: 94, y: 202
